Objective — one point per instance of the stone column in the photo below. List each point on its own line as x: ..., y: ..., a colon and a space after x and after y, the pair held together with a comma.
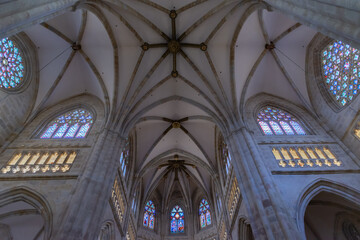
x: 338, y: 19
x: 93, y: 190
x: 269, y: 218
x: 16, y: 16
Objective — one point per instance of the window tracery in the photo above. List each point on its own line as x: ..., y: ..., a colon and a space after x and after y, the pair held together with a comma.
x: 274, y: 121
x: 341, y: 71
x: 225, y: 156
x: 149, y: 215
x: 124, y: 157
x: 177, y: 224
x: 73, y: 124
x: 11, y: 65
x: 204, y: 212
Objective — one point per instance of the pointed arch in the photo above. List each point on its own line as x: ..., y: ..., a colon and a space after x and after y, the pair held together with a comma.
x: 205, y: 213
x: 75, y: 123
x: 275, y: 121
x: 34, y: 199
x: 149, y: 215
x: 177, y: 220
x: 318, y: 186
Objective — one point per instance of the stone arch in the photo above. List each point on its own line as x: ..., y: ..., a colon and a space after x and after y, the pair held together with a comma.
x: 245, y: 231
x: 328, y: 111
x: 87, y: 101
x: 19, y: 102
x: 317, y: 187
x: 33, y: 198
x: 107, y: 230
x: 255, y: 103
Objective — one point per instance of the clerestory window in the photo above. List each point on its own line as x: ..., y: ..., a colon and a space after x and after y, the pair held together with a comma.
x: 11, y: 65
x: 73, y: 124
x: 340, y: 66
x: 274, y: 121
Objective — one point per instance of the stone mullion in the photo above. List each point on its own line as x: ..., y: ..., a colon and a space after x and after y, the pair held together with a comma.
x: 93, y: 190
x: 268, y: 216
x: 325, y: 19
x: 18, y: 15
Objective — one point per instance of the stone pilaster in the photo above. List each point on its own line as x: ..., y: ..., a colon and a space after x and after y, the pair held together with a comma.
x: 269, y: 217
x: 18, y: 15
x: 337, y: 19
x: 93, y: 190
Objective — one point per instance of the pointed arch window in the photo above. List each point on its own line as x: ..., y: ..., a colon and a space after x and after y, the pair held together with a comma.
x: 274, y: 121
x: 340, y: 65
x: 149, y: 215
x: 204, y: 212
x: 11, y: 65
x: 73, y: 124
x: 124, y: 157
x: 177, y: 223
x: 225, y: 156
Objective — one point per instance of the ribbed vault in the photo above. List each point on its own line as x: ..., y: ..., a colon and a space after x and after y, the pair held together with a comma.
x: 98, y: 49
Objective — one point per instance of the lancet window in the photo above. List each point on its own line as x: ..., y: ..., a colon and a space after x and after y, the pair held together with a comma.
x: 341, y: 71
x: 225, y: 156
x: 204, y: 212
x: 124, y: 157
x: 149, y: 215
x: 177, y: 223
x: 73, y: 124
x: 274, y: 121
x: 11, y: 65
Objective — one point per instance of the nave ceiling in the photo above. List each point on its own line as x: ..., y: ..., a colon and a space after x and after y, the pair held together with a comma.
x: 96, y: 49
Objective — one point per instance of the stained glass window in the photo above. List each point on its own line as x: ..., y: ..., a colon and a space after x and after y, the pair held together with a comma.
x: 149, y: 215
x: 274, y: 121
x: 225, y: 156
x: 11, y: 64
x: 124, y: 157
x: 73, y: 124
x: 177, y: 224
x: 204, y: 212
x: 341, y: 71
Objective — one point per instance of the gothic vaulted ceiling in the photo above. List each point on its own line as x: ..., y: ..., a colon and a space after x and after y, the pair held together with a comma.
x: 172, y: 70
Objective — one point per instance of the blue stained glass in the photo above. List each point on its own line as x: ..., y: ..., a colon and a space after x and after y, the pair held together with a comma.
x: 83, y: 131
x: 151, y: 223
x: 61, y: 131
x: 11, y: 64
x: 173, y: 225
x: 177, y: 223
x: 149, y: 215
x: 146, y: 219
x: 49, y: 131
x: 276, y: 128
x: 202, y: 220
x: 72, y: 131
x: 124, y: 157
x: 269, y: 119
x: 208, y: 217
x: 265, y: 127
x: 286, y: 128
x: 181, y: 225
x: 226, y: 158
x: 341, y: 63
x: 204, y: 211
x: 74, y: 122
x: 298, y: 129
